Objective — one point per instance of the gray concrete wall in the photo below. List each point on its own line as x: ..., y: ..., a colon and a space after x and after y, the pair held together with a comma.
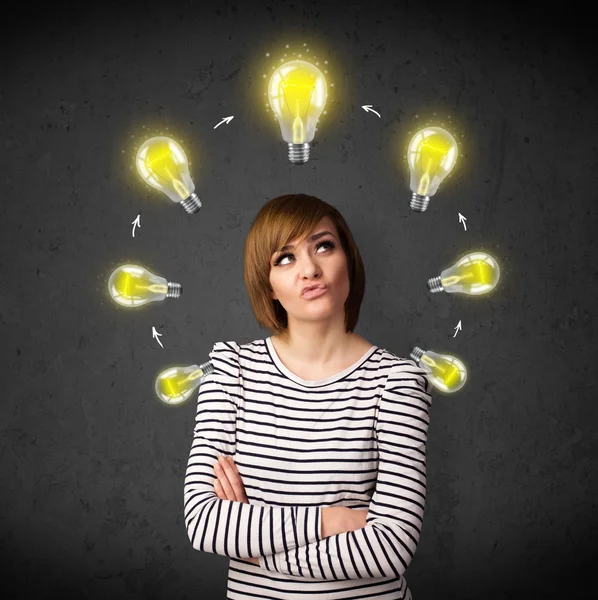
x: 92, y: 464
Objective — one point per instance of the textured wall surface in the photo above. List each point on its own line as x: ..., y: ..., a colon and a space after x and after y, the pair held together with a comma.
x: 92, y: 464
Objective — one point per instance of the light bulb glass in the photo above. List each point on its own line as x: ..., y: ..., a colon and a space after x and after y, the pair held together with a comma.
x: 431, y: 155
x: 474, y: 274
x: 297, y: 92
x: 176, y: 384
x: 446, y: 373
x: 133, y: 286
x: 162, y: 164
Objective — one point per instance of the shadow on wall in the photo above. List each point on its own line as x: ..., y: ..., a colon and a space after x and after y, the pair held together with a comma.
x: 563, y: 568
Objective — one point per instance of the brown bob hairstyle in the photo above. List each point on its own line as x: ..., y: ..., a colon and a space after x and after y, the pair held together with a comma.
x: 278, y: 222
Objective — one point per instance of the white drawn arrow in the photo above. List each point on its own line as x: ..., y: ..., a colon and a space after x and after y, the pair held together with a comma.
x: 458, y: 327
x: 155, y: 334
x: 368, y: 108
x: 462, y: 219
x: 136, y: 223
x: 226, y: 120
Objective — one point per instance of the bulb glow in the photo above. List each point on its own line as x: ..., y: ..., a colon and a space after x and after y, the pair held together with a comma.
x: 176, y: 384
x: 431, y: 155
x: 162, y: 164
x: 446, y: 373
x: 297, y: 92
x: 133, y: 286
x: 474, y: 274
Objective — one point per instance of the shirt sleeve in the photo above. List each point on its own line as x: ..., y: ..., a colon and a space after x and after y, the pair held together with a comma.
x: 386, y: 545
x: 233, y: 529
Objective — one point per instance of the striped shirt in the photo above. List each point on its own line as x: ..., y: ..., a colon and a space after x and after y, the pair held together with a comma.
x: 357, y: 439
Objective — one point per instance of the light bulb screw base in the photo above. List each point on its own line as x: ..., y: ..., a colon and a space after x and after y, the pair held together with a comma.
x: 174, y: 290
x: 434, y: 285
x: 207, y: 368
x: 416, y: 353
x: 192, y: 204
x: 298, y: 153
x: 418, y: 202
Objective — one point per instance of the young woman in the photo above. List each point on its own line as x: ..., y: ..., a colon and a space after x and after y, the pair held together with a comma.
x: 325, y: 496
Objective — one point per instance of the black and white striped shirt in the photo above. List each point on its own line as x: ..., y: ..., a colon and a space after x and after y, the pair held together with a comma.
x: 357, y: 439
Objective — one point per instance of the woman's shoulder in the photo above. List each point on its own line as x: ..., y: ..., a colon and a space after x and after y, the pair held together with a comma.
x: 224, y: 357
x: 399, y: 365
x: 401, y: 370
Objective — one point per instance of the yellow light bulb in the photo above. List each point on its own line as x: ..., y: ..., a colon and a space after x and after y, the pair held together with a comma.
x: 432, y: 154
x: 176, y: 384
x: 297, y: 92
x: 162, y: 164
x: 474, y: 274
x: 446, y: 373
x: 133, y: 286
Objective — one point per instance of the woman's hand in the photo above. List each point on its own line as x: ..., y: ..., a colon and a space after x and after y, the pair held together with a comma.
x: 342, y: 519
x: 357, y: 518
x: 228, y: 486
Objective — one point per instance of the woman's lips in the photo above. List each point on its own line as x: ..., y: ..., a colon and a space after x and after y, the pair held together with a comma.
x: 314, y: 293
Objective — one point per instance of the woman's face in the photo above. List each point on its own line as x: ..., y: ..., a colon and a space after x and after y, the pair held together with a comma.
x: 312, y: 262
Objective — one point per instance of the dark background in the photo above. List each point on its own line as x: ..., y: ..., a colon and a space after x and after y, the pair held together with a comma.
x: 92, y: 464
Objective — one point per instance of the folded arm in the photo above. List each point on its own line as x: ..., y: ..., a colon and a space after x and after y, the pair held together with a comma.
x: 223, y: 527
x: 386, y: 545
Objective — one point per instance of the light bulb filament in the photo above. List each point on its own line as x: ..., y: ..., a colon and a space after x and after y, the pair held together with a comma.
x: 298, y: 132
x: 429, y: 361
x: 196, y: 374
x: 158, y: 288
x: 424, y: 185
x: 179, y: 186
x: 429, y: 171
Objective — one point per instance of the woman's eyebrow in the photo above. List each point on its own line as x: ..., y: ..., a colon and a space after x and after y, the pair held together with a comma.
x: 313, y: 238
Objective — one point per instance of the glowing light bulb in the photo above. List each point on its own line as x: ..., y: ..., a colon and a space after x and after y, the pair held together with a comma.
x: 176, y: 384
x: 133, y: 286
x: 446, y: 373
x: 474, y: 274
x: 297, y: 92
x: 431, y: 155
x: 162, y: 164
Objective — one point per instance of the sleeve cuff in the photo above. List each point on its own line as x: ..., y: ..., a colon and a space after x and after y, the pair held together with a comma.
x: 318, y: 517
x: 313, y: 525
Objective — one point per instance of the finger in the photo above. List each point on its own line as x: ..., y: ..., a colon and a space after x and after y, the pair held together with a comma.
x: 221, y: 495
x: 227, y: 489
x: 233, y: 465
x: 218, y: 490
x: 228, y: 493
x: 234, y: 479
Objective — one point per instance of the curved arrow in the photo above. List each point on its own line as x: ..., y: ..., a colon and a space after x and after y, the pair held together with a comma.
x: 226, y: 120
x: 155, y: 334
x: 458, y: 327
x: 136, y: 223
x: 368, y: 108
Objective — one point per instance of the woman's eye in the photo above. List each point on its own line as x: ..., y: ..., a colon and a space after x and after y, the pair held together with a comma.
x: 327, y: 243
